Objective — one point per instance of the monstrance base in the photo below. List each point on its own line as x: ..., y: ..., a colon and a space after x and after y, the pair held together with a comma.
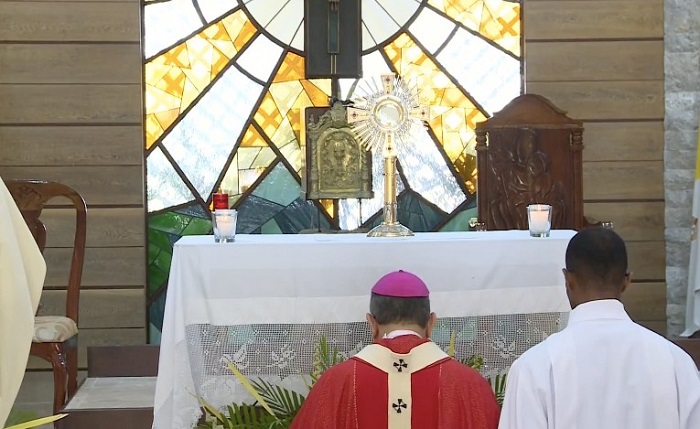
x: 390, y: 230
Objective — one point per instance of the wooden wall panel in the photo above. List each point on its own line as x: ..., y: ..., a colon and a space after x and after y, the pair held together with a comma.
x: 593, y: 19
x: 102, y: 308
x: 103, y: 185
x: 69, y: 22
x: 71, y: 63
x: 595, y: 61
x: 70, y: 104
x: 646, y: 301
x: 104, y: 267
x: 634, y: 221
x: 647, y: 260
x: 596, y: 100
x: 71, y: 111
x: 613, y: 180
x: 117, y: 227
x: 66, y: 145
x: 602, y: 61
x: 623, y: 141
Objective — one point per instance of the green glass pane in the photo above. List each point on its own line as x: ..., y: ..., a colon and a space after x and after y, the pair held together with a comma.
x: 156, y: 279
x: 198, y: 226
x: 270, y: 227
x: 157, y: 241
x: 279, y: 186
x: 173, y: 223
x: 461, y: 221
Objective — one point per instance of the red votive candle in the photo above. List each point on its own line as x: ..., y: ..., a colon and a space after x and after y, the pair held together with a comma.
x: 220, y: 200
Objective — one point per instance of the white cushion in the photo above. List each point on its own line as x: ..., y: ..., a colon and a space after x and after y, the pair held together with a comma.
x: 50, y: 329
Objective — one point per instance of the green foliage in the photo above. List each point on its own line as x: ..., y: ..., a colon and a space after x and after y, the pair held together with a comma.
x: 324, y: 358
x: 498, y: 384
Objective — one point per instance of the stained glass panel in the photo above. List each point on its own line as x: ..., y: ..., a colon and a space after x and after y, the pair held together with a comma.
x: 225, y: 93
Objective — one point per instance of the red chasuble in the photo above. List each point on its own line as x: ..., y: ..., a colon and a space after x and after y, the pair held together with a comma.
x: 443, y: 395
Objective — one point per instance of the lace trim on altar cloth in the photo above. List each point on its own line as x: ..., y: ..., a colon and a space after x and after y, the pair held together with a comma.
x: 283, y: 354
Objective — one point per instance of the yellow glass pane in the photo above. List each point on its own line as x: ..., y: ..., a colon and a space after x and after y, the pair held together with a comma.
x: 177, y: 77
x: 327, y: 206
x: 252, y: 138
x: 497, y: 20
x: 268, y: 116
x: 292, y: 68
x: 285, y: 94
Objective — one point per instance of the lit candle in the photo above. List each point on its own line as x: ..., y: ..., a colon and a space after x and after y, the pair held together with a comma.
x: 225, y: 226
x: 539, y: 221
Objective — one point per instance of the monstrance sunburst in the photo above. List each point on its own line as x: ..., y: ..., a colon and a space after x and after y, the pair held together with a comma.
x: 383, y: 119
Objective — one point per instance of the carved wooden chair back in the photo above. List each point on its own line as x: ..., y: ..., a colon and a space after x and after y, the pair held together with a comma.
x: 31, y: 196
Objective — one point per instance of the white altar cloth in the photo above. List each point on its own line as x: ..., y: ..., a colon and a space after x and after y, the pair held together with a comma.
x: 316, y: 279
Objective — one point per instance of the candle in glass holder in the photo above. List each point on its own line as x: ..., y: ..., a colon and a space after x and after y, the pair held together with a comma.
x: 539, y: 219
x: 224, y: 223
x: 220, y: 200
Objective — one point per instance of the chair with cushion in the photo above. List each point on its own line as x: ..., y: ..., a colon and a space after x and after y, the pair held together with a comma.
x: 56, y: 337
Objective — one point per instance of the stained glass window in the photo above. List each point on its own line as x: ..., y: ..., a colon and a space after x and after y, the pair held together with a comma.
x: 225, y: 94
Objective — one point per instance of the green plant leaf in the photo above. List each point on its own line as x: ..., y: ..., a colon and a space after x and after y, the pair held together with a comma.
x: 37, y: 422
x: 244, y: 381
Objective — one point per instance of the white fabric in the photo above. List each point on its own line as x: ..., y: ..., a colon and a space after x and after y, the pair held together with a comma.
x: 400, y: 332
x: 399, y: 367
x: 602, y: 371
x: 22, y: 271
x: 692, y: 314
x: 260, y: 302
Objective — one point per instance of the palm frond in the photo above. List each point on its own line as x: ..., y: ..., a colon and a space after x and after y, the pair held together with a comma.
x: 283, y: 402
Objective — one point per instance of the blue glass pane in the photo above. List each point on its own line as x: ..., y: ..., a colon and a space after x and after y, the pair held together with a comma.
x: 279, y: 186
x: 300, y: 215
x: 488, y: 74
x: 202, y: 142
x: 166, y: 23
x: 212, y: 9
x: 427, y: 173
x: 255, y: 212
x: 156, y: 311
x: 165, y: 187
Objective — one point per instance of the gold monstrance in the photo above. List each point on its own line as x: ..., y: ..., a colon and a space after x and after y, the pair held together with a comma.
x: 385, y: 117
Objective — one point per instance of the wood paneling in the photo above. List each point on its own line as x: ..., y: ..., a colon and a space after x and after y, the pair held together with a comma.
x: 104, y: 267
x: 647, y: 260
x: 97, y: 337
x: 634, y: 221
x: 646, y: 301
x: 74, y: 63
x: 66, y: 145
x: 116, y: 227
x: 619, y: 100
x: 69, y: 22
x: 595, y: 61
x: 70, y: 104
x: 612, y: 180
x: 101, y: 308
x: 623, y: 141
x: 113, y: 185
x: 593, y: 19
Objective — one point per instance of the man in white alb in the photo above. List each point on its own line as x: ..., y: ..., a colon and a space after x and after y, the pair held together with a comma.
x: 22, y: 271
x: 603, y: 371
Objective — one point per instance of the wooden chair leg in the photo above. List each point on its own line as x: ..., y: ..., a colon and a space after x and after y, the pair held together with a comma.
x: 72, y: 362
x: 60, y: 375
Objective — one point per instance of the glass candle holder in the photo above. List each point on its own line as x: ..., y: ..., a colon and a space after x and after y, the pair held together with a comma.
x: 224, y: 225
x: 539, y: 219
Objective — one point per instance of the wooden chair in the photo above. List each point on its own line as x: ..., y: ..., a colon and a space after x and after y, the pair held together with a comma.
x: 56, y: 337
x: 529, y: 153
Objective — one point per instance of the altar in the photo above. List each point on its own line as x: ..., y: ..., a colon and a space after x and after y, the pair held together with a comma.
x: 264, y: 301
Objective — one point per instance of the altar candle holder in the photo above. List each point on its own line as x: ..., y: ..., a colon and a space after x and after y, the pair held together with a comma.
x: 539, y: 219
x: 220, y: 200
x: 224, y: 225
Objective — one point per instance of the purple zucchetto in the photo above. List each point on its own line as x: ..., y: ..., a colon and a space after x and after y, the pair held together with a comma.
x: 401, y: 284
